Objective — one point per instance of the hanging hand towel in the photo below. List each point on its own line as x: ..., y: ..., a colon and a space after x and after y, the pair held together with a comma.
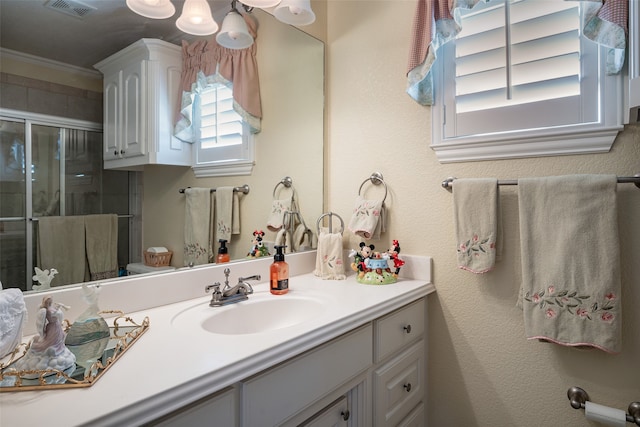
x: 329, y: 265
x: 61, y: 245
x: 197, y: 227
x: 475, y: 210
x: 368, y: 218
x: 101, y: 240
x: 276, y: 216
x: 570, y: 260
x: 225, y: 205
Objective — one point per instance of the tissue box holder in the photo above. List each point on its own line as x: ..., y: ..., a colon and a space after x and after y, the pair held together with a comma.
x: 160, y: 259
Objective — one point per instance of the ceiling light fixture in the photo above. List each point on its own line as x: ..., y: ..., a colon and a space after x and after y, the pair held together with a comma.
x: 155, y: 9
x: 196, y: 17
x: 234, y: 33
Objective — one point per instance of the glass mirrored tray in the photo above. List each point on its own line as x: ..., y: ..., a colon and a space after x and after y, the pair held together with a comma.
x: 93, y: 359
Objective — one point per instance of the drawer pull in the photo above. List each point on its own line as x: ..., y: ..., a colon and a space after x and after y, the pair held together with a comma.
x: 345, y: 415
x: 407, y: 387
x: 121, y: 151
x: 407, y: 328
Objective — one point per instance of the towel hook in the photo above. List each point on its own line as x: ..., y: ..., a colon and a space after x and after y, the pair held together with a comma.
x: 376, y: 178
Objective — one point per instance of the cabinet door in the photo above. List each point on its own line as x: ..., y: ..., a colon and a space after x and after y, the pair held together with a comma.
x: 334, y: 415
x: 133, y: 110
x: 218, y: 410
x: 111, y: 127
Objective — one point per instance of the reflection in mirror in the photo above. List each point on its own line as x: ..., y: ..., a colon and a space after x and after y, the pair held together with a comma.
x: 291, y: 66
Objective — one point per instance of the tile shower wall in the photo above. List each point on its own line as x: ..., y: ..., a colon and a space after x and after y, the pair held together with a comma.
x: 37, y: 96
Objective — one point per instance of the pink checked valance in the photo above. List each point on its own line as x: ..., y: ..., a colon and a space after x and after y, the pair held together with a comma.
x: 205, y: 62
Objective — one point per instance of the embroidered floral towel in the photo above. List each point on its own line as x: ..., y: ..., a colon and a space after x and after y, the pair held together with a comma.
x: 368, y: 218
x: 475, y: 210
x: 197, y: 226
x: 276, y: 216
x: 570, y: 260
x: 329, y: 265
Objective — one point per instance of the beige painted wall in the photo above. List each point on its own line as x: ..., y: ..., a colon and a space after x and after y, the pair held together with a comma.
x: 482, y: 370
x: 290, y: 144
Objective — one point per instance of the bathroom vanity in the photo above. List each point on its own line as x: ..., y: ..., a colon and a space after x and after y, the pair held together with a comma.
x: 342, y: 353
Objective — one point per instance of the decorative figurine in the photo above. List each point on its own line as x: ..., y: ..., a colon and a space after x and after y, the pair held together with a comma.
x: 372, y: 267
x: 44, y: 278
x: 258, y: 249
x: 47, y: 350
x: 89, y: 334
x: 90, y: 325
x: 393, y: 253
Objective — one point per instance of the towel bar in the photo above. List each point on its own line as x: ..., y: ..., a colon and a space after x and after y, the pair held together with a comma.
x: 244, y: 189
x: 330, y: 215
x: 447, y: 183
x: 578, y: 398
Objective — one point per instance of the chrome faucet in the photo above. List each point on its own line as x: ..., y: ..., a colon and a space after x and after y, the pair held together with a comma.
x: 229, y: 294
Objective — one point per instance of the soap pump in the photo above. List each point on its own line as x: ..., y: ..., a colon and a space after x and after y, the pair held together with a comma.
x: 223, y: 252
x: 279, y: 272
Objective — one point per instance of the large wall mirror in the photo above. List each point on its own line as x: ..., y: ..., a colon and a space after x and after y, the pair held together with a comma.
x: 291, y: 67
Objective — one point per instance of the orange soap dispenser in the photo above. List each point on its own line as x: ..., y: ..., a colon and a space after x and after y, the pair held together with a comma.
x: 279, y: 272
x: 223, y: 252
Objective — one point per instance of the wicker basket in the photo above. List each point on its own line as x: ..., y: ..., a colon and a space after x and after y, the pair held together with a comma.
x: 159, y: 259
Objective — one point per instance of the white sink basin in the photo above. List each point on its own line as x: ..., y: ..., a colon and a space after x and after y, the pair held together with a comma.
x: 260, y: 313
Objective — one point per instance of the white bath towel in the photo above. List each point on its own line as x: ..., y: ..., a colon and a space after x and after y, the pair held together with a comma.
x: 329, y: 263
x: 570, y: 260
x: 197, y: 226
x: 61, y: 245
x: 475, y: 218
x: 101, y: 241
x: 227, y: 213
x: 367, y: 220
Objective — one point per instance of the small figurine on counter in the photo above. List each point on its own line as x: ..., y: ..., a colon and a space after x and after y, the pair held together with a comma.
x: 359, y: 258
x: 393, y: 253
x: 44, y: 278
x: 90, y: 325
x: 258, y: 249
x: 47, y: 350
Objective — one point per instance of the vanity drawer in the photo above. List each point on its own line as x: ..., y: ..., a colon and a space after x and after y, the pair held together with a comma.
x: 276, y: 395
x: 398, y: 386
x: 417, y: 417
x: 399, y: 328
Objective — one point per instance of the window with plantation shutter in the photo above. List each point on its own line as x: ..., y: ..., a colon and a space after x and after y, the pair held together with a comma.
x: 519, y: 80
x: 225, y: 144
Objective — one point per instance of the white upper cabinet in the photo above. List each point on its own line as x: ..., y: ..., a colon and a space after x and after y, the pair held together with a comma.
x: 141, y: 94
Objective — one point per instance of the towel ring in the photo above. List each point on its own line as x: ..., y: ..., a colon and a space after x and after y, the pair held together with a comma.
x: 287, y: 182
x: 376, y: 179
x: 330, y: 215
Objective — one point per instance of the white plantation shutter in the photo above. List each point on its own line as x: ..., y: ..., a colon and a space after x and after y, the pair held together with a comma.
x: 225, y: 143
x: 515, y: 71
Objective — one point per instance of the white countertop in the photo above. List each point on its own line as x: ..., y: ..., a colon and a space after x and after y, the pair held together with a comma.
x: 171, y: 366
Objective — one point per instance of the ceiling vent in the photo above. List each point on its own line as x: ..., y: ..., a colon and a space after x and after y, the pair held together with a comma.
x: 70, y: 7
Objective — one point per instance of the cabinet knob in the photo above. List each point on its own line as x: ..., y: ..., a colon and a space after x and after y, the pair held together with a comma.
x: 407, y: 328
x: 345, y: 415
x: 115, y: 152
x: 407, y: 387
x: 121, y: 151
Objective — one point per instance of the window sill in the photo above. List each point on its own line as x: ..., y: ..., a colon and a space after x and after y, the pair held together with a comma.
x: 216, y: 169
x: 469, y: 149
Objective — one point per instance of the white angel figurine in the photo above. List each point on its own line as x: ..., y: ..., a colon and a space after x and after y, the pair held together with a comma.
x: 44, y: 278
x: 48, y: 350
